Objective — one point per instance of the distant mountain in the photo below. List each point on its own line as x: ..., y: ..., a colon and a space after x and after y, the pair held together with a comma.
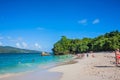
x: 9, y: 49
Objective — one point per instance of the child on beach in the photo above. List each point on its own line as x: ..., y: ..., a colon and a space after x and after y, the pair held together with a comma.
x: 117, y: 56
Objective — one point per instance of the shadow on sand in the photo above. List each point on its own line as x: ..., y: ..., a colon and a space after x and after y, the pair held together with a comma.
x: 106, y: 66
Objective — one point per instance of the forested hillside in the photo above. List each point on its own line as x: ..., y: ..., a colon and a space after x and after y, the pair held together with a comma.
x: 107, y: 42
x: 8, y: 49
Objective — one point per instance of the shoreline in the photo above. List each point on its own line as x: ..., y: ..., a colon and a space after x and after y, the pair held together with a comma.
x: 32, y: 75
x: 101, y: 67
x: 13, y: 76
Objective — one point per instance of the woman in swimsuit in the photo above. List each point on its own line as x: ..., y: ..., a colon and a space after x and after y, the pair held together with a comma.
x: 117, y: 56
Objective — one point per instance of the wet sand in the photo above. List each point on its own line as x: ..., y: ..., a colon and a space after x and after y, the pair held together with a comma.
x: 35, y: 75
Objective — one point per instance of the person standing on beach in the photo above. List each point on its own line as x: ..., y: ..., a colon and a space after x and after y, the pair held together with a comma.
x: 87, y: 54
x: 91, y: 52
x: 117, y: 56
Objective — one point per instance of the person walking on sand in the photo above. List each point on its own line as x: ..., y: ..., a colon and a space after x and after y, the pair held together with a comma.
x: 117, y: 56
x: 87, y: 54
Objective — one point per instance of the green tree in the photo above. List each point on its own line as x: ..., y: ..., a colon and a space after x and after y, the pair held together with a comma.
x: 107, y: 42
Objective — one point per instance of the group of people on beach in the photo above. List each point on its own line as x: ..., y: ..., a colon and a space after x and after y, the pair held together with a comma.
x: 117, y: 56
x: 87, y: 55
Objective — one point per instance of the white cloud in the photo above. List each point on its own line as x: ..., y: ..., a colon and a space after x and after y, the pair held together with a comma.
x: 96, y: 21
x: 37, y: 46
x: 18, y: 45
x: 84, y: 21
x: 21, y: 45
x: 24, y: 44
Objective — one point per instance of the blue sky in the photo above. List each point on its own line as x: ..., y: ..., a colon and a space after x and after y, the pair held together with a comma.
x: 38, y: 24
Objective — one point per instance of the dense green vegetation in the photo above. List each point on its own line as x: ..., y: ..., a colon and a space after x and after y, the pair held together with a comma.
x: 107, y: 42
x: 8, y: 49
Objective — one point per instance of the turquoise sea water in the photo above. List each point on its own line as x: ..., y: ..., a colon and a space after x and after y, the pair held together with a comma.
x: 21, y: 62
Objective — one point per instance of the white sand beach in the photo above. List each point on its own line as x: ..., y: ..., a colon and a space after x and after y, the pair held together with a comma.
x: 101, y: 67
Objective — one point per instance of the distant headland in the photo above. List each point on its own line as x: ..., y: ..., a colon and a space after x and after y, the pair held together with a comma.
x: 9, y: 49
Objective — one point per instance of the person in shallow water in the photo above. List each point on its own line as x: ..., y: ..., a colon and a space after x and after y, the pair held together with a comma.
x: 117, y: 56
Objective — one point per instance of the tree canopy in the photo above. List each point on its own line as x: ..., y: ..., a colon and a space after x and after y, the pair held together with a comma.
x: 107, y: 42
